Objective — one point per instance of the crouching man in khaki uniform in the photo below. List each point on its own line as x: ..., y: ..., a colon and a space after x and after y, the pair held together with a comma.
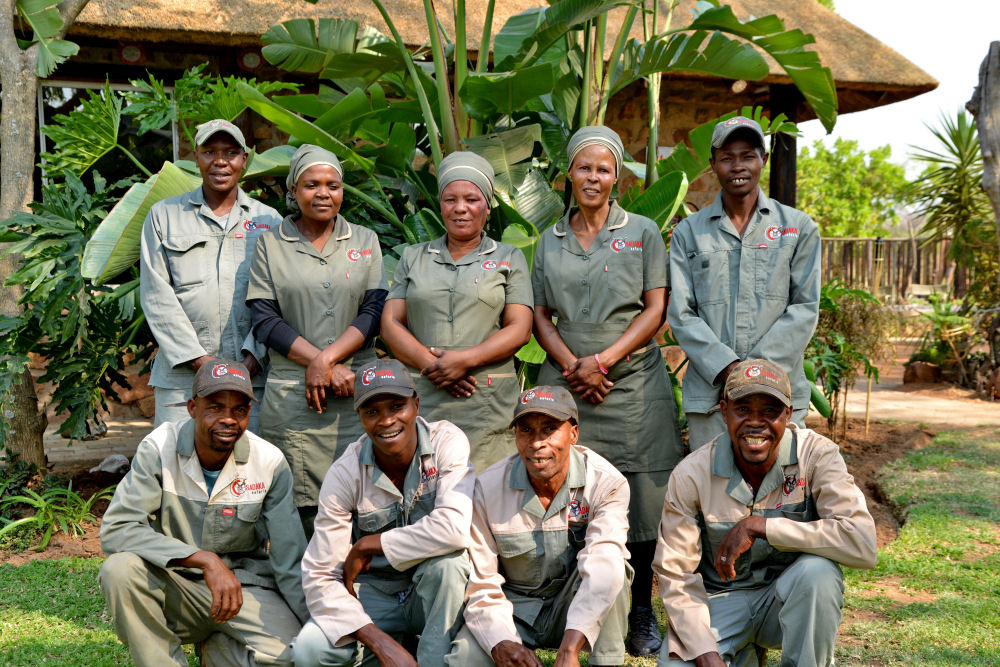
x: 754, y: 526
x: 548, y: 547
x: 387, y: 561
x: 187, y: 532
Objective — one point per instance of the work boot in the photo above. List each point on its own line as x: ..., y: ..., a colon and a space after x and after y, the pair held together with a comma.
x: 644, y: 634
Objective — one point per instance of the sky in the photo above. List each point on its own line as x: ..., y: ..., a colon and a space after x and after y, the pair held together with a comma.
x: 947, y: 39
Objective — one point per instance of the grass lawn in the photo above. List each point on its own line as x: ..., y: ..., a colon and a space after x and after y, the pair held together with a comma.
x: 934, y: 598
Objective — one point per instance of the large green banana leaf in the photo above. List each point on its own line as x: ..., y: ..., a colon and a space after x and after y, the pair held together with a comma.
x: 488, y: 93
x: 115, y: 244
x: 296, y: 46
x: 660, y: 201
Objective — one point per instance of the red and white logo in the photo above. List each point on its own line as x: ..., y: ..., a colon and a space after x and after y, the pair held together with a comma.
x: 220, y: 371
x: 368, y: 376
x: 489, y: 265
x: 353, y: 254
x: 250, y: 225
x: 238, y: 487
x: 753, y: 371
x: 773, y: 233
x: 528, y: 396
x: 618, y: 244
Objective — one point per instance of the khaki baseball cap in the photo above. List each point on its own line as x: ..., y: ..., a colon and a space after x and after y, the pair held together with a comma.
x: 385, y: 376
x: 222, y: 375
x: 726, y: 127
x: 759, y: 376
x: 206, y: 130
x: 547, y: 400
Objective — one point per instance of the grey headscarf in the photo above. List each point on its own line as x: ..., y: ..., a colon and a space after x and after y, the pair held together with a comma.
x: 597, y: 135
x: 307, y: 156
x: 467, y: 166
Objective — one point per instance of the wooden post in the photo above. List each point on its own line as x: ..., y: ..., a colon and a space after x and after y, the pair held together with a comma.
x: 985, y: 107
x: 784, y: 99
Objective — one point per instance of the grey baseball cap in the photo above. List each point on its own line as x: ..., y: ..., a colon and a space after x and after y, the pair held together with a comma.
x: 759, y: 376
x: 385, y: 376
x: 723, y: 129
x: 222, y: 375
x: 206, y: 130
x: 547, y: 400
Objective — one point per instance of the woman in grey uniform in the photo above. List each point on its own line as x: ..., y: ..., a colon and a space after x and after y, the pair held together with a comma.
x: 458, y: 310
x: 316, y: 296
x: 602, y: 274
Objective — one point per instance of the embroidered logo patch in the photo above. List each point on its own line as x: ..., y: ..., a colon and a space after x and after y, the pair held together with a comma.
x: 618, y: 244
x: 371, y: 374
x: 354, y: 254
x: 534, y: 393
x: 238, y: 487
x: 250, y: 225
x: 578, y: 511
x: 773, y: 233
x: 223, y: 370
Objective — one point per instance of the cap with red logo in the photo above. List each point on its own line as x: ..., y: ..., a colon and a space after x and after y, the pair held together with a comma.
x: 759, y: 376
x: 385, y: 376
x: 205, y: 131
x: 547, y: 400
x: 724, y: 129
x: 222, y: 375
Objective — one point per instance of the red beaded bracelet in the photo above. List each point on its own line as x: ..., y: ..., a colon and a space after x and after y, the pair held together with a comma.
x: 598, y: 360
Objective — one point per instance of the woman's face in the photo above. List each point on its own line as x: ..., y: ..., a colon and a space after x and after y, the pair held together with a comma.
x: 464, y: 209
x: 593, y: 176
x: 319, y: 193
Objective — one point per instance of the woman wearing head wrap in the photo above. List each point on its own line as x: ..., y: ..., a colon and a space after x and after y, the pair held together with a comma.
x: 458, y: 310
x: 602, y: 273
x: 316, y: 295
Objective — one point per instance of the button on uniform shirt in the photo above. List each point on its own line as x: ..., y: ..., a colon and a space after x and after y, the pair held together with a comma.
x: 194, y: 270
x: 811, y: 504
x: 428, y: 517
x: 738, y: 298
x: 522, y: 553
x: 605, y: 282
x: 163, y: 510
x: 459, y: 303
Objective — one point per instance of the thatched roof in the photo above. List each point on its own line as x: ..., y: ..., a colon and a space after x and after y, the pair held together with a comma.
x: 867, y: 72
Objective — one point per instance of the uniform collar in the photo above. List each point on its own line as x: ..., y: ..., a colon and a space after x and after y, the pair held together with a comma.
x: 716, y: 211
x: 185, y: 443
x: 196, y: 198
x: 289, y: 231
x: 617, y: 218
x: 424, y: 447
x: 439, y: 248
x: 575, y: 479
x: 724, y: 465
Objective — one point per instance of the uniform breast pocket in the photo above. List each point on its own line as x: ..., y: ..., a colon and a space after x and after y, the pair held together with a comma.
x: 710, y: 272
x: 623, y: 275
x: 188, y: 259
x: 376, y: 521
x: 490, y: 290
x: 773, y: 269
x: 519, y: 559
x: 238, y: 529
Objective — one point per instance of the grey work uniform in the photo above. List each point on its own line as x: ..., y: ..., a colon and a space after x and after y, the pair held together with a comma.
x: 735, y: 298
x: 163, y: 511
x: 538, y: 572
x: 788, y: 589
x: 456, y: 304
x: 319, y: 292
x: 595, y: 294
x: 194, y: 268
x: 417, y: 587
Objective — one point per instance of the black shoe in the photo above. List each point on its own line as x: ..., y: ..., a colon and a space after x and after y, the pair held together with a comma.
x: 644, y: 634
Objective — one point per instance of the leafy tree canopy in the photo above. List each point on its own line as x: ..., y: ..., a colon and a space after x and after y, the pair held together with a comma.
x: 848, y: 191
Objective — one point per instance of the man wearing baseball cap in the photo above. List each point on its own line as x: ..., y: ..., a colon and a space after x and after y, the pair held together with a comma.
x: 549, y: 563
x: 194, y: 269
x: 203, y: 537
x: 754, y: 526
x: 387, y: 561
x: 745, y: 281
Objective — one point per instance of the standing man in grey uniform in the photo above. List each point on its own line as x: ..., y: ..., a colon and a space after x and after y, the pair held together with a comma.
x: 194, y: 271
x: 203, y: 538
x: 745, y: 279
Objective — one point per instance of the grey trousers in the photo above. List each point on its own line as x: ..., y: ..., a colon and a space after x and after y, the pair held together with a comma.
x: 702, y: 427
x: 171, y: 406
x: 156, y: 610
x: 549, y: 627
x: 431, y: 608
x: 798, y: 613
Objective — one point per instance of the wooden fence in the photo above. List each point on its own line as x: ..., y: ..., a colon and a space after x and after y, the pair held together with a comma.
x: 892, y: 269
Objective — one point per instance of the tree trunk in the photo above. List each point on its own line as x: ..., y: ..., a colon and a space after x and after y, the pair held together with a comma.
x: 985, y: 107
x: 17, y: 161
